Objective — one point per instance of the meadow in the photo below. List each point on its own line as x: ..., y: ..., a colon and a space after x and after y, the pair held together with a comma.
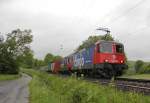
x: 49, y: 88
x: 4, y: 77
x: 138, y: 76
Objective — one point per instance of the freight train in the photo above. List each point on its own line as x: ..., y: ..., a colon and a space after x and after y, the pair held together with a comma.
x: 102, y: 59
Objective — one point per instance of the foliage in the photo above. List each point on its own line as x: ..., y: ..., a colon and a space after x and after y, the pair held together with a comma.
x: 130, y: 63
x: 131, y: 69
x: 145, y: 69
x: 16, y: 45
x: 107, y: 37
x: 48, y: 58
x: 26, y: 60
x: 138, y: 65
x: 37, y: 64
x: 93, y: 39
x: 57, y: 58
x: 51, y: 58
x: 4, y: 77
x: 45, y: 88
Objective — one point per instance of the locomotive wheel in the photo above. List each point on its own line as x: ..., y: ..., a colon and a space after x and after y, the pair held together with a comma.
x: 118, y: 70
x: 109, y: 71
x: 101, y: 73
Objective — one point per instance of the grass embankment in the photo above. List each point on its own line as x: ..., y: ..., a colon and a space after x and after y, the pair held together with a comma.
x: 4, y: 77
x: 46, y: 88
x: 138, y: 76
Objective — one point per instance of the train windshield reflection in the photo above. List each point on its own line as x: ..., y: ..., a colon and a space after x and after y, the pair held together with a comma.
x: 106, y: 47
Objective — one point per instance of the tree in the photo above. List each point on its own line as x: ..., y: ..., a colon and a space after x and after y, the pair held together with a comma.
x: 145, y: 69
x: 107, y: 37
x: 93, y: 39
x: 17, y: 43
x: 1, y: 38
x: 38, y: 63
x: 57, y: 58
x: 138, y: 65
x: 26, y: 60
x: 48, y: 58
x: 51, y: 58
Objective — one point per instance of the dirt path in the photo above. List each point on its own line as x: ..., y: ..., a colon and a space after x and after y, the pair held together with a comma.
x: 15, y: 91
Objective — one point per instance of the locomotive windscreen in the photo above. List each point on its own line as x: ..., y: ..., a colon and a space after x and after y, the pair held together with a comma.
x: 119, y: 48
x: 106, y: 47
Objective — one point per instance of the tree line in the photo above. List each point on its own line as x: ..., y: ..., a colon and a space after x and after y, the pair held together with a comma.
x: 142, y: 67
x: 15, y: 52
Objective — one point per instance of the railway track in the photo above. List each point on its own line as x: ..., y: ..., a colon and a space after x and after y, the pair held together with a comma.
x: 135, y: 85
x: 125, y: 84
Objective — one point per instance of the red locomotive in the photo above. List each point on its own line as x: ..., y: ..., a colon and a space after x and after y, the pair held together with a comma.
x: 103, y: 59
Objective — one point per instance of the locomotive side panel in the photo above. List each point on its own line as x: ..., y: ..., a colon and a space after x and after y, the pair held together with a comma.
x: 104, y: 59
x: 88, y: 55
x: 77, y: 60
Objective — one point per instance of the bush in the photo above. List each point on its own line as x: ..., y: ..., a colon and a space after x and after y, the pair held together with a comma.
x: 138, y: 65
x: 8, y: 66
x: 146, y: 69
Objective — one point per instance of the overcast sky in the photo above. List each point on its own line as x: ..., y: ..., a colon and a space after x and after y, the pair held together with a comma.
x: 69, y: 22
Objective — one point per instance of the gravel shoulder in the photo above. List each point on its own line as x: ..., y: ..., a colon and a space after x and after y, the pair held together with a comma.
x: 15, y: 91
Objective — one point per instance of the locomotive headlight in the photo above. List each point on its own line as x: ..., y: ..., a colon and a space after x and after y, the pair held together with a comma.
x: 121, y: 61
x: 106, y: 60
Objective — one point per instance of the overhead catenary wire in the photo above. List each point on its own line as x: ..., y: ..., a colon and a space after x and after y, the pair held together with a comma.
x: 137, y: 31
x: 125, y: 12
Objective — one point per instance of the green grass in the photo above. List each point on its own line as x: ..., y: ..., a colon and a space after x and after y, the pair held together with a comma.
x: 4, y: 77
x: 138, y: 76
x: 131, y: 63
x: 48, y: 88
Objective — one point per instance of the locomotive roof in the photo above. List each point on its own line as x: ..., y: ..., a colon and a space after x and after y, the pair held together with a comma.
x: 100, y: 41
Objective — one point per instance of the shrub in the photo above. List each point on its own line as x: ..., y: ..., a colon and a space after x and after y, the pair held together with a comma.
x: 146, y: 69
x: 138, y: 65
x: 8, y: 66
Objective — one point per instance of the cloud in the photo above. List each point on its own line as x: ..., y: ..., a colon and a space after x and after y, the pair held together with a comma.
x: 69, y: 22
x: 133, y: 30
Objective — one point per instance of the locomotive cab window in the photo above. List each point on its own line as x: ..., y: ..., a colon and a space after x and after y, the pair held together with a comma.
x: 106, y: 47
x: 119, y: 48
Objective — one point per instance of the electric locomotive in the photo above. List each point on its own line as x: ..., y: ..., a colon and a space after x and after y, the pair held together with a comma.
x: 109, y: 59
x: 102, y: 59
